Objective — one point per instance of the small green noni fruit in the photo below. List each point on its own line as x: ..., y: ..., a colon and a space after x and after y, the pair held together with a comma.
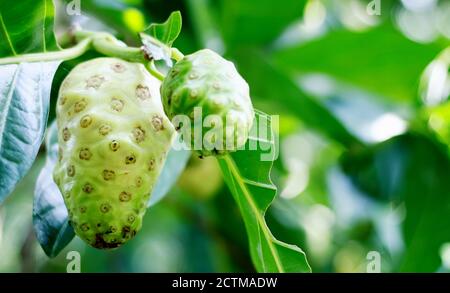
x: 204, y: 85
x: 113, y: 140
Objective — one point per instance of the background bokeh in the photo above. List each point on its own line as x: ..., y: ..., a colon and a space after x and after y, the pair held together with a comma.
x: 364, y: 163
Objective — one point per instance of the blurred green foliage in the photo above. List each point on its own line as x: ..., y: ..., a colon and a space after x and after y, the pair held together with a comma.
x: 359, y: 169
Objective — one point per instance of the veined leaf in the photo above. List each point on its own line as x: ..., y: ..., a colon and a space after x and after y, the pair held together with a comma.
x: 158, y: 38
x: 26, y: 26
x: 168, y: 31
x: 247, y: 174
x: 24, y: 99
x: 50, y: 217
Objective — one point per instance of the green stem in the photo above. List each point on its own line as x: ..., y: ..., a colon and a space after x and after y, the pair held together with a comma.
x: 110, y: 46
x: 154, y: 71
x: 65, y: 54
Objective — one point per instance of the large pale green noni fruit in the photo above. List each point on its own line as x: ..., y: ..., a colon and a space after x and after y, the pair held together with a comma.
x: 113, y: 139
x: 204, y: 85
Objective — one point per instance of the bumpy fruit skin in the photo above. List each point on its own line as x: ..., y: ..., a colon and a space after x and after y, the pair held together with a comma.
x: 113, y: 139
x: 204, y: 79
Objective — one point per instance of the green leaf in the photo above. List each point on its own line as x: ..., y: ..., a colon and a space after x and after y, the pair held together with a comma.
x: 158, y: 38
x: 24, y: 99
x: 176, y: 161
x: 26, y: 26
x: 273, y: 86
x: 256, y: 22
x: 50, y: 218
x: 248, y: 178
x: 168, y: 31
x: 413, y: 170
x: 381, y: 60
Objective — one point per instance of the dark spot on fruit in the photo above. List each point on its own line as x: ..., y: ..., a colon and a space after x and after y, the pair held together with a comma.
x: 117, y: 104
x: 139, y: 181
x: 85, y: 154
x: 79, y: 106
x: 63, y: 100
x: 104, y: 129
x: 124, y: 196
x: 94, y: 81
x: 109, y: 175
x: 71, y: 171
x: 131, y: 218
x: 105, y: 207
x: 138, y: 134
x: 111, y: 230
x: 118, y: 67
x: 84, y: 227
x: 130, y: 159
x: 99, y: 225
x: 126, y: 231
x: 82, y: 210
x: 157, y: 122
x: 102, y: 244
x: 142, y: 92
x: 66, y: 134
x: 85, y: 121
x: 151, y: 164
x: 114, y: 145
x: 87, y: 188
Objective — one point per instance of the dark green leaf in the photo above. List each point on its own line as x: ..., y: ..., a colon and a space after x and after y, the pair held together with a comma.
x: 24, y: 99
x: 381, y: 60
x: 256, y: 22
x: 50, y: 218
x: 168, y: 31
x: 414, y: 170
x: 247, y: 174
x: 26, y: 26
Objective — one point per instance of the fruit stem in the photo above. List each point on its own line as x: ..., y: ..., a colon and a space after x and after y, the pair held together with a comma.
x: 110, y: 46
x: 151, y: 67
x: 65, y: 54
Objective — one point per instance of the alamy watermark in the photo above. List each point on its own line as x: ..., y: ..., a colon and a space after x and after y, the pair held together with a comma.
x: 74, y: 264
x: 374, y: 8
x: 73, y: 7
x: 373, y: 262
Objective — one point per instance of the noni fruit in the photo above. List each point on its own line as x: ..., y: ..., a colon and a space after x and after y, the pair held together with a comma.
x: 207, y: 90
x: 113, y: 139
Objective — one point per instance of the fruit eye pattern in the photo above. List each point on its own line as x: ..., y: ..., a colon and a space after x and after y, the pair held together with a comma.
x: 205, y: 79
x: 112, y: 124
